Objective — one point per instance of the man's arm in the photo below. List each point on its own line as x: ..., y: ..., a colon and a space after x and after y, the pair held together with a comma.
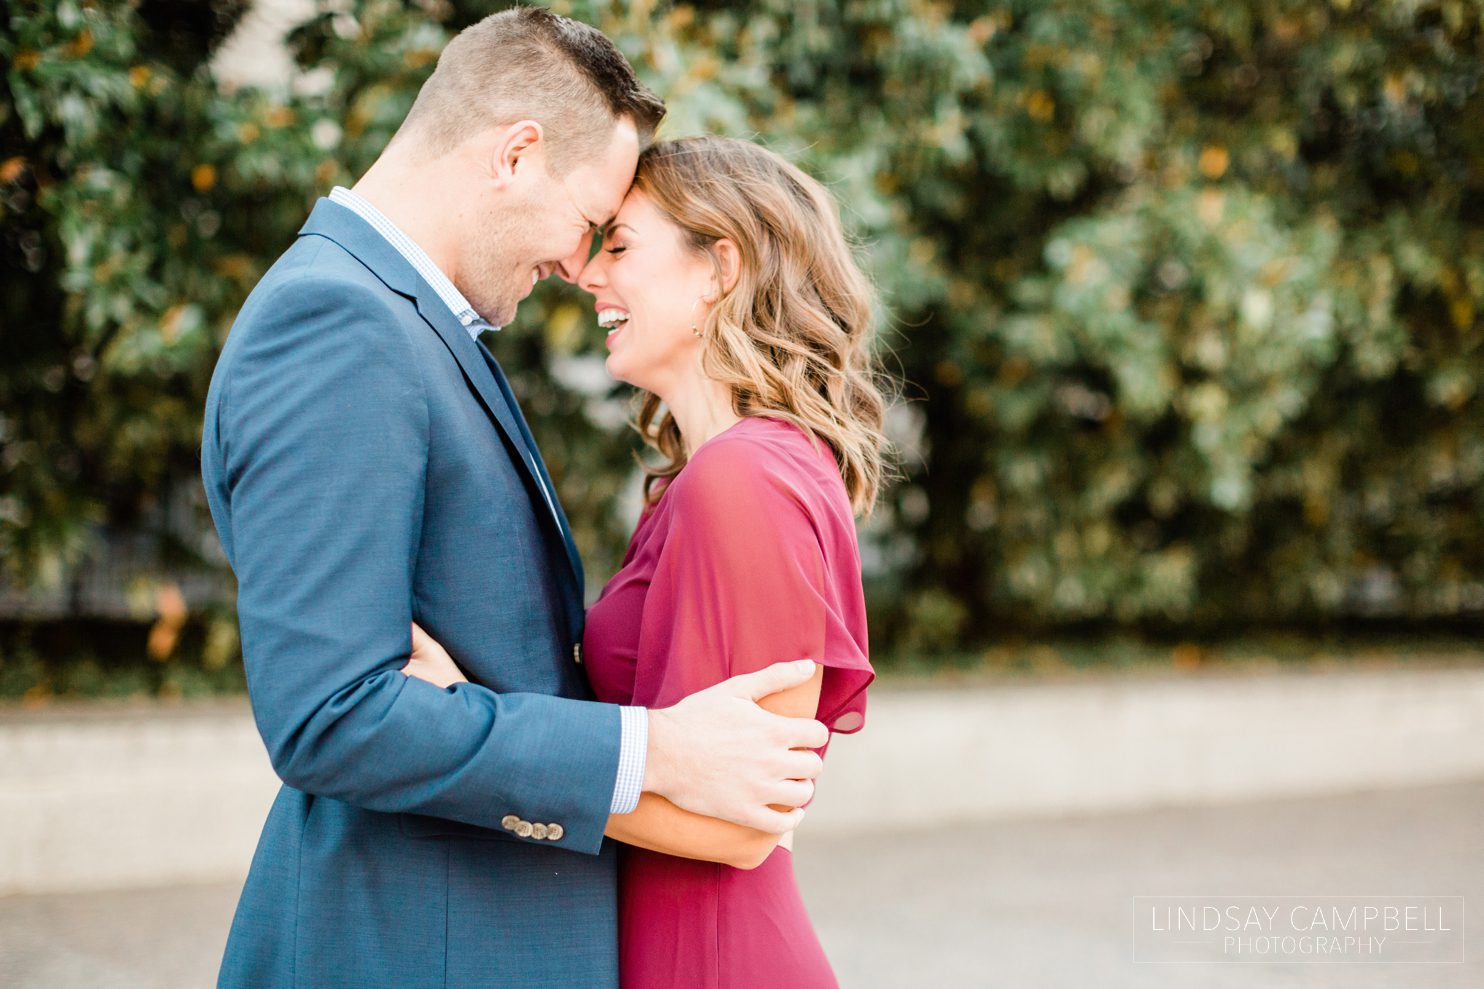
x: 320, y: 452
x: 787, y: 690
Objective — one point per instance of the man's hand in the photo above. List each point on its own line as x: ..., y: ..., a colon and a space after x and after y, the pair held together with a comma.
x: 717, y: 753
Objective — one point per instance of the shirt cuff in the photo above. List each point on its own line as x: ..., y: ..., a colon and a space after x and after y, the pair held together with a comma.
x: 633, y: 750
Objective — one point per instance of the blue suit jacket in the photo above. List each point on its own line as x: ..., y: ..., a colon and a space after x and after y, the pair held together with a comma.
x: 366, y: 466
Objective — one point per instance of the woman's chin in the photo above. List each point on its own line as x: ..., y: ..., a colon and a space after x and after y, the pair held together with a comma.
x: 614, y: 365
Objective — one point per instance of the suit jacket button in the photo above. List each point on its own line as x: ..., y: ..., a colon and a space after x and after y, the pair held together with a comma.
x: 509, y: 821
x: 577, y: 652
x: 538, y: 831
x: 524, y: 829
x: 554, y: 832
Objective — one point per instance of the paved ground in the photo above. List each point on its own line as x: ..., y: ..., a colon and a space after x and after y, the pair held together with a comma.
x: 1043, y: 904
x: 1047, y: 904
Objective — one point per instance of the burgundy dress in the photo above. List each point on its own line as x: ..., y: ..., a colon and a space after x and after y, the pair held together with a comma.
x: 748, y: 558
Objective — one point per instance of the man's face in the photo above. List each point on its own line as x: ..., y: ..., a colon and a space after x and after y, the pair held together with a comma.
x: 550, y: 230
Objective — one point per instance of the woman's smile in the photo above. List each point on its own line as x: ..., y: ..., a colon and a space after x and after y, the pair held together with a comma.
x: 611, y: 319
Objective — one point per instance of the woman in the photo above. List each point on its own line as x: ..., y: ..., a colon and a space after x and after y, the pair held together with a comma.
x: 730, y: 298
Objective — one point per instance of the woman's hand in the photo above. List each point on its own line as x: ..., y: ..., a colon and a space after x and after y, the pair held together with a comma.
x: 431, y: 662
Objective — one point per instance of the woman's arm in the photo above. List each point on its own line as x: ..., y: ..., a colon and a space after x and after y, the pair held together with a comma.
x: 743, y: 579
x: 660, y: 826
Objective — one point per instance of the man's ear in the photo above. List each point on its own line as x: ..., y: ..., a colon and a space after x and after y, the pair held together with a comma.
x: 513, y: 149
x: 728, y: 266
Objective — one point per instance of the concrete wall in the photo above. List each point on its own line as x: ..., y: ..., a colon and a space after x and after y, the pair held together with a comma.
x: 112, y: 799
x: 95, y: 799
x: 1122, y: 744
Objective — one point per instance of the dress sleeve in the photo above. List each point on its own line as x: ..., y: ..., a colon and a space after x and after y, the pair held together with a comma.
x: 749, y: 575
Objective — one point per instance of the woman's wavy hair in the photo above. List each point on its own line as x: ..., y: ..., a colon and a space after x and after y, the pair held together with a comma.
x: 792, y: 338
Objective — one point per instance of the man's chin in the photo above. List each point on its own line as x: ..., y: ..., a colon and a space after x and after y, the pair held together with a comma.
x: 497, y: 314
x: 507, y: 307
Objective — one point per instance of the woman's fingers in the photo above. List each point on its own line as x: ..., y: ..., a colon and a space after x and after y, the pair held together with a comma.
x: 431, y: 662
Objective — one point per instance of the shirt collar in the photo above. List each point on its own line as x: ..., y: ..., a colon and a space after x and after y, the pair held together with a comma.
x: 417, y: 257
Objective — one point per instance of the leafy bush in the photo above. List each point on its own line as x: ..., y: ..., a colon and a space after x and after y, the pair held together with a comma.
x: 1187, y: 296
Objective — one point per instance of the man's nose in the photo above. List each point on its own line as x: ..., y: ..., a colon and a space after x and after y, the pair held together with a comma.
x: 590, y: 277
x: 569, y: 269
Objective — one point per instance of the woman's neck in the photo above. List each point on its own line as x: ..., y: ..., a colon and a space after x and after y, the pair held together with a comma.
x: 702, y: 409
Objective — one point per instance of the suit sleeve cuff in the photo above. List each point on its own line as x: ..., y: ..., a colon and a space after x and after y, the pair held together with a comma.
x: 633, y: 749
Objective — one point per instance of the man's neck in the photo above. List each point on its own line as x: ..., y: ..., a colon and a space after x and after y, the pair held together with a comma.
x: 411, y: 200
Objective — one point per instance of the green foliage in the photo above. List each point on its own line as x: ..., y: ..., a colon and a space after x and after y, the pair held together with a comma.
x: 1187, y: 296
x: 143, y: 205
x: 1190, y: 293
x: 40, y: 661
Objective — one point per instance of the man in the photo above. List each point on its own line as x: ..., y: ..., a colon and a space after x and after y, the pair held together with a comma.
x: 367, y: 466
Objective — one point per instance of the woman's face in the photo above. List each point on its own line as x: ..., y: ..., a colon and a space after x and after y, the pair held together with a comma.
x: 649, y: 289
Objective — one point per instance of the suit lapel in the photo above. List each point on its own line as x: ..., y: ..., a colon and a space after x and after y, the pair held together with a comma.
x: 488, y: 381
x: 480, y: 370
x: 566, y: 530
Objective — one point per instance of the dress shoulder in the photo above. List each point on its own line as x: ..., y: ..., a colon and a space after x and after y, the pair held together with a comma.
x: 758, y: 565
x: 756, y: 466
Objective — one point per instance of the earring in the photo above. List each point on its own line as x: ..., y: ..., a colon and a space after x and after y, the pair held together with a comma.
x: 693, y: 328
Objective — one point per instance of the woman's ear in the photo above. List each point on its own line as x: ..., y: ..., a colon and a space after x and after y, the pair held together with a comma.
x: 728, y: 266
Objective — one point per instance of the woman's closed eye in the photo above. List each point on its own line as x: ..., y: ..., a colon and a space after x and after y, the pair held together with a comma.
x: 616, y: 249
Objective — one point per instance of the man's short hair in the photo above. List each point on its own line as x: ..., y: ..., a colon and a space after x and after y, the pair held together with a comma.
x: 529, y: 63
